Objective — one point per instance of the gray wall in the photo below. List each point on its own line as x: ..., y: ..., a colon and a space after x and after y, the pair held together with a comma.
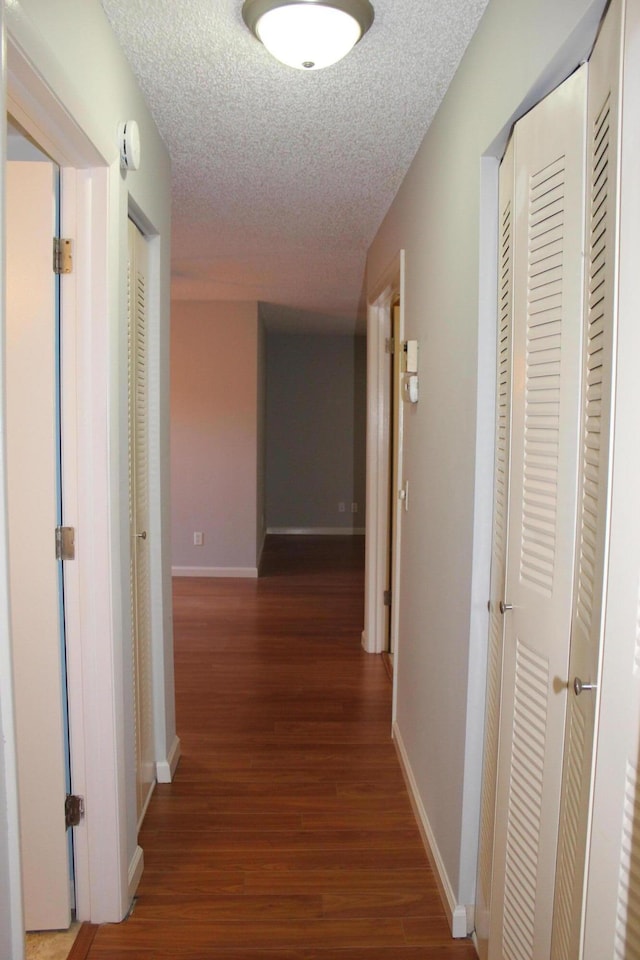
x: 315, y: 449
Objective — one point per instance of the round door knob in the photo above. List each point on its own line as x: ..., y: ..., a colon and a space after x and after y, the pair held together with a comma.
x: 505, y: 606
x: 579, y: 686
x: 142, y: 536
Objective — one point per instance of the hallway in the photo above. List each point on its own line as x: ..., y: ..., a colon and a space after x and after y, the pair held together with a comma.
x: 287, y: 833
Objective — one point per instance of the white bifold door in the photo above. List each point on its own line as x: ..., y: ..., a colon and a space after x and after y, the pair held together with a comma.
x: 139, y: 531
x: 592, y: 520
x: 559, y: 863
x: 548, y: 224
x: 611, y: 916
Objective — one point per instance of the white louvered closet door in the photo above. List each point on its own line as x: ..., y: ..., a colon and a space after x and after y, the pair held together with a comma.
x: 612, y: 914
x: 548, y: 294
x: 139, y: 516
x: 499, y: 549
x: 593, y: 495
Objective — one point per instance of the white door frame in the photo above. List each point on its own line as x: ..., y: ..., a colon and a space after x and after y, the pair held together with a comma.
x: 95, y: 664
x: 387, y: 288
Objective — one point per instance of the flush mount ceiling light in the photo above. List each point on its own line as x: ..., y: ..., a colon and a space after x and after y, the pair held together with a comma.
x: 308, y: 34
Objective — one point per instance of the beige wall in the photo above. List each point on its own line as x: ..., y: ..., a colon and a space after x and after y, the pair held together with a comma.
x: 214, y: 436
x: 261, y: 513
x: 444, y: 218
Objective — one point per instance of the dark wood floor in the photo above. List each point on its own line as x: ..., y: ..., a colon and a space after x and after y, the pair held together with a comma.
x: 287, y: 833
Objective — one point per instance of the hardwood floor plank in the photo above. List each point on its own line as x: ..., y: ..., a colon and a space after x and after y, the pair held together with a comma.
x: 261, y: 933
x: 248, y: 909
x: 188, y: 952
x: 82, y: 943
x: 287, y: 833
x: 336, y: 880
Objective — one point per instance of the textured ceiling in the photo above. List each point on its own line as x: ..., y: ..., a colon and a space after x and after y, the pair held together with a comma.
x: 280, y: 177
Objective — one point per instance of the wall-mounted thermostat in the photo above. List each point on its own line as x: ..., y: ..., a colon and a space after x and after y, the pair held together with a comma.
x: 412, y: 388
x: 412, y: 356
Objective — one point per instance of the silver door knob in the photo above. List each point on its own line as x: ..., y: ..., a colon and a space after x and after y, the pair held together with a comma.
x: 579, y: 686
x: 505, y: 606
x: 142, y: 536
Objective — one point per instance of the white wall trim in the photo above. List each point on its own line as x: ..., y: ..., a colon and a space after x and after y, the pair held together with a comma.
x: 247, y: 573
x: 165, y: 769
x: 135, y: 871
x: 317, y: 531
x: 456, y: 912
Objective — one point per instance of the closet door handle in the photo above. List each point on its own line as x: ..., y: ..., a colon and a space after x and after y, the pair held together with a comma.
x: 142, y: 536
x: 505, y: 606
x: 579, y: 686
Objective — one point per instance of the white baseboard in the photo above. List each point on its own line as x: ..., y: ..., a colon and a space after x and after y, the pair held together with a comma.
x: 240, y: 572
x: 135, y: 871
x: 317, y: 531
x: 165, y: 769
x: 456, y: 912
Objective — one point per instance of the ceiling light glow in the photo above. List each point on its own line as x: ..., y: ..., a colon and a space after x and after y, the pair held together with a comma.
x: 308, y: 34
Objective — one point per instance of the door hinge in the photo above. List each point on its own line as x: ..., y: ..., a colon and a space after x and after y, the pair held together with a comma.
x: 390, y: 345
x: 62, y: 255
x: 386, y: 597
x: 73, y: 810
x: 65, y: 543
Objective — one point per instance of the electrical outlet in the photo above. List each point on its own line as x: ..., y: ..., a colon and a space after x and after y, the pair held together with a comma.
x: 342, y: 507
x: 198, y: 538
x: 354, y: 508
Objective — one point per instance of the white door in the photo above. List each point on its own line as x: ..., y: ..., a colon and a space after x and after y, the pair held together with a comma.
x: 499, y: 550
x: 32, y: 453
x: 549, y: 146
x: 593, y: 493
x: 612, y: 913
x: 139, y: 516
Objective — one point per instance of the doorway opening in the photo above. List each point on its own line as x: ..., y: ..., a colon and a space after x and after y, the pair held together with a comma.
x: 384, y: 464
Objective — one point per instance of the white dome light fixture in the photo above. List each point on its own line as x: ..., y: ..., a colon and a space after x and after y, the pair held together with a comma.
x: 308, y: 34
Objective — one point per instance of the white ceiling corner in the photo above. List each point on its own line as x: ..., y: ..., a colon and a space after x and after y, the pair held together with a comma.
x: 281, y: 178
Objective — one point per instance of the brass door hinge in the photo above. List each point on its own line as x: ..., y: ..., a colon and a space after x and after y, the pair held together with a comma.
x: 73, y: 810
x: 62, y: 255
x: 65, y: 543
